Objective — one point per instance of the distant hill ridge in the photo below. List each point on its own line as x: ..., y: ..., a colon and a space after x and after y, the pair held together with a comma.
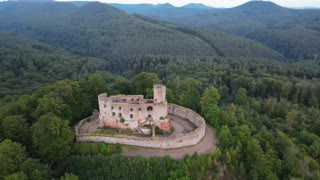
x: 100, y: 30
x: 196, y: 6
x: 38, y: 1
x: 295, y: 33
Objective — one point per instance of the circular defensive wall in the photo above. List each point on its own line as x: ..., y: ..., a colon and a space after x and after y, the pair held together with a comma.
x: 182, y: 137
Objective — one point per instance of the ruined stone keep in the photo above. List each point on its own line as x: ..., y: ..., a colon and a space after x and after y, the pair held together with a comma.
x: 134, y: 112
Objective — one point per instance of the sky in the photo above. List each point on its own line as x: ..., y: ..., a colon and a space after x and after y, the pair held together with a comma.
x: 220, y: 3
x: 213, y: 3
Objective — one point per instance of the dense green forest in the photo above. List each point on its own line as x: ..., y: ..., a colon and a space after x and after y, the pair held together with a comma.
x: 293, y: 33
x: 26, y: 65
x: 266, y: 111
x: 100, y: 30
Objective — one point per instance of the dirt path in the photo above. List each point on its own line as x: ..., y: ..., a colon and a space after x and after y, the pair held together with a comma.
x: 206, y: 146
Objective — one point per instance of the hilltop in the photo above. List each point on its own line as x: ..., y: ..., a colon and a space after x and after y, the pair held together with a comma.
x: 196, y: 6
x: 291, y: 32
x: 100, y: 30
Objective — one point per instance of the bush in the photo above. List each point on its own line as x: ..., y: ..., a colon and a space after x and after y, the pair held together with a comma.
x: 89, y: 148
x: 159, y: 131
x: 122, y: 120
x: 149, y: 126
x: 105, y: 132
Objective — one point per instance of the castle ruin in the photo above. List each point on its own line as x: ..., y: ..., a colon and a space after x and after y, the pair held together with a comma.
x: 135, y: 112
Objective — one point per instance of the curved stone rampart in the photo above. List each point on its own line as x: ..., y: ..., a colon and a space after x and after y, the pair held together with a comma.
x: 77, y: 128
x: 171, y: 142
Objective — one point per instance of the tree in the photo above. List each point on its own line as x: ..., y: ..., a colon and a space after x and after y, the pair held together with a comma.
x: 23, y: 106
x: 103, y: 148
x: 190, y: 98
x: 170, y: 96
x: 210, y: 98
x: 121, y: 85
x: 12, y: 155
x: 92, y: 87
x: 54, y: 104
x: 97, y: 84
x: 291, y: 118
x: 225, y: 137
x: 143, y: 82
x: 68, y: 176
x: 241, y: 96
x: 51, y: 137
x: 16, y: 128
x: 74, y: 96
x: 35, y: 170
x: 17, y: 176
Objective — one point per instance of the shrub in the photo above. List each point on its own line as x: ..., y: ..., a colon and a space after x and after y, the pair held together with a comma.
x: 90, y: 148
x: 159, y: 131
x: 122, y: 120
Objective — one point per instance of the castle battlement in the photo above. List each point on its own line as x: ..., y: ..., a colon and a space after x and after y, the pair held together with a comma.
x: 133, y: 111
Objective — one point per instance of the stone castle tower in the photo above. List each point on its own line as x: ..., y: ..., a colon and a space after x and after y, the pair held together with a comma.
x: 159, y: 94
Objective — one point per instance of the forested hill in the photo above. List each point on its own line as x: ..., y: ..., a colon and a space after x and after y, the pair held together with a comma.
x: 26, y: 65
x: 196, y: 6
x: 225, y: 45
x: 20, y: 9
x: 100, y: 30
x: 292, y: 32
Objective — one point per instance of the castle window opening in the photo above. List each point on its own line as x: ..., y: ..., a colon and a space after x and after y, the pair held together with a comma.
x: 139, y: 109
x: 149, y: 108
x: 131, y: 109
x: 105, y: 105
x: 120, y: 115
x: 124, y: 100
x: 119, y: 107
x: 149, y: 116
x: 111, y: 107
x: 131, y: 116
x: 113, y: 114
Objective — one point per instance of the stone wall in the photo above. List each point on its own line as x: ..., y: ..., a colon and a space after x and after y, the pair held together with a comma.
x: 177, y: 141
x: 77, y: 128
x: 113, y: 108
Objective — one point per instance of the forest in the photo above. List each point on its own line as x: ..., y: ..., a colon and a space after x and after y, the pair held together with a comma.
x: 292, y: 32
x: 265, y: 108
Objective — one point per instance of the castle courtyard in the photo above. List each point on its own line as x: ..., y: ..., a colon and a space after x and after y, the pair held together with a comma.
x: 181, y: 126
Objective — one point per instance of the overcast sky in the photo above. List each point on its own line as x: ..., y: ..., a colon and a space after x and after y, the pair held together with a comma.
x: 221, y: 3
x: 213, y: 3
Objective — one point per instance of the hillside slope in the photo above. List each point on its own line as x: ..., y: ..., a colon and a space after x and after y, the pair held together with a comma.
x: 225, y: 45
x: 99, y: 30
x: 26, y: 64
x: 293, y: 33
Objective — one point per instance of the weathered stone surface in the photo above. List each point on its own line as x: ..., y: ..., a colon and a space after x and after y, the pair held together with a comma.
x: 130, y: 111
